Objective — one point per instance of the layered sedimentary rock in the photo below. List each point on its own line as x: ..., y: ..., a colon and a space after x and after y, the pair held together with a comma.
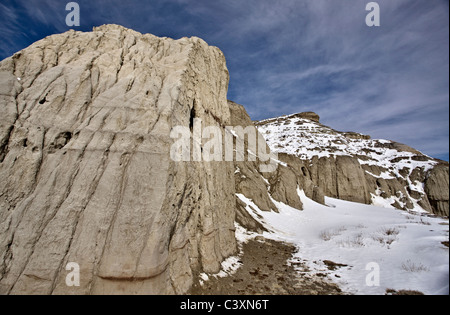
x: 85, y: 167
x: 354, y: 167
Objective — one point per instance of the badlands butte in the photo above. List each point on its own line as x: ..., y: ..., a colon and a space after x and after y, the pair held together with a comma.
x: 86, y: 174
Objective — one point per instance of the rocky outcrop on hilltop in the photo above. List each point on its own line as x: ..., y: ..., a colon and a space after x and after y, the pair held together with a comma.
x: 85, y: 167
x: 354, y: 167
x: 308, y: 115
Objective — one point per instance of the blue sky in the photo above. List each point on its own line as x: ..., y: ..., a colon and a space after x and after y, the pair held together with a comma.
x: 289, y: 56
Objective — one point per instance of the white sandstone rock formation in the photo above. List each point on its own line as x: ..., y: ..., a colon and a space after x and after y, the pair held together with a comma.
x: 85, y: 170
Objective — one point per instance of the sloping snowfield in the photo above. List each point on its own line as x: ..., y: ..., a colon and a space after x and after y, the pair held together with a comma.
x: 381, y: 248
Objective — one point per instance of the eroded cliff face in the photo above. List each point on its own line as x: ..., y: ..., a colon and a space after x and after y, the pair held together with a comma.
x: 85, y: 167
x: 354, y: 167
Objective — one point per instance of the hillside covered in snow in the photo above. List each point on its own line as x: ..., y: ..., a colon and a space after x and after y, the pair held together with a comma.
x: 364, y: 249
x: 385, y: 172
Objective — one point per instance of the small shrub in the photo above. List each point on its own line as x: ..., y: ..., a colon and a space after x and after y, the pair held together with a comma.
x: 355, y: 241
x: 386, y: 236
x: 423, y: 222
x: 390, y: 231
x: 410, y: 266
x: 327, y: 235
x: 384, y: 240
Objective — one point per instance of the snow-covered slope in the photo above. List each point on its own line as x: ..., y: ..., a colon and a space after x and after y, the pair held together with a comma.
x: 395, y: 173
x: 364, y: 249
x: 306, y: 139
